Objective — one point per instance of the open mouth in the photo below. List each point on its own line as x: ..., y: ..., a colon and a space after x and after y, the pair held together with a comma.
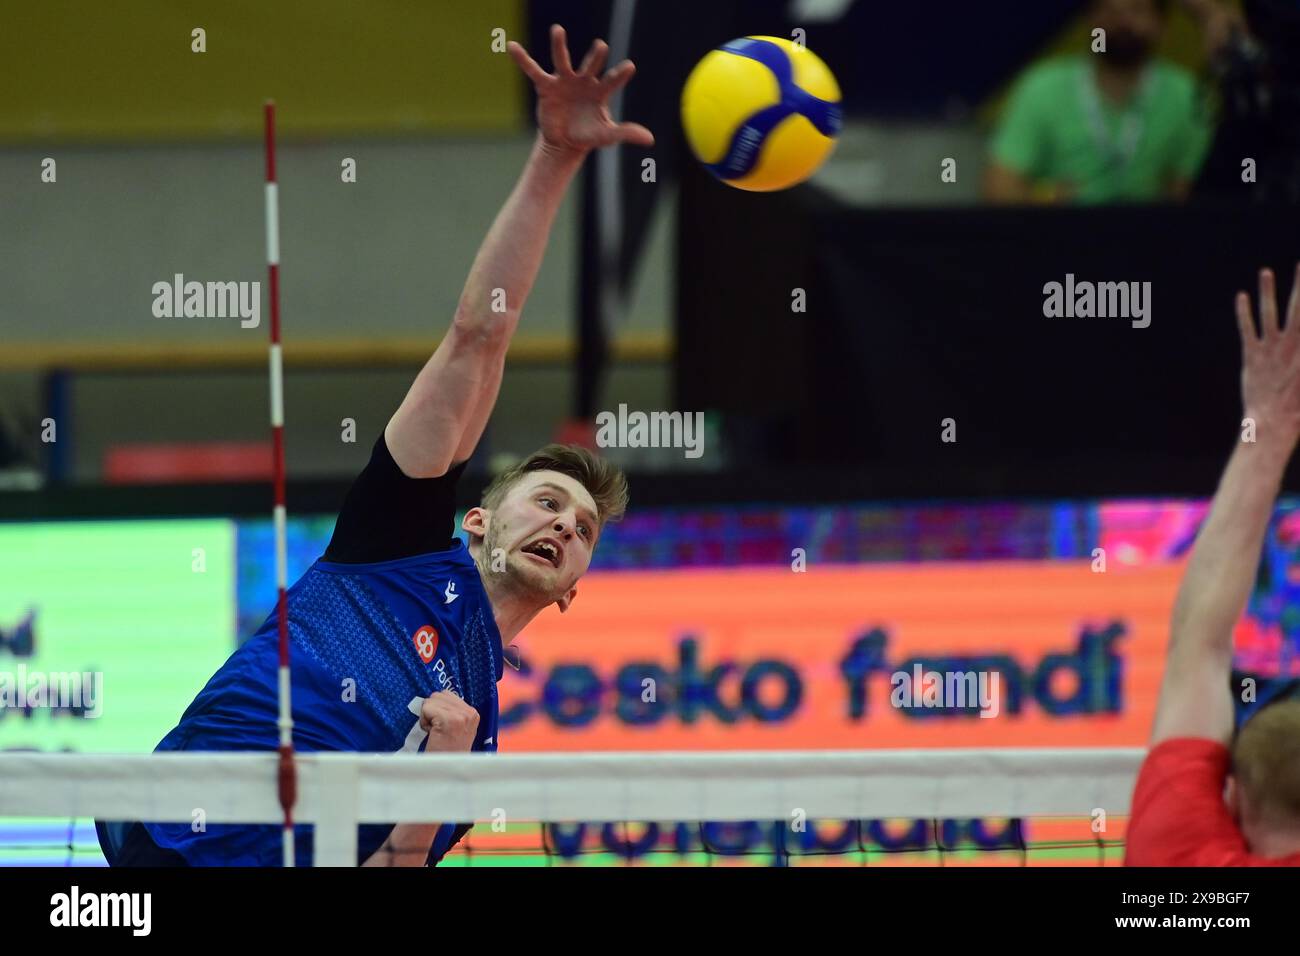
x: 546, y: 549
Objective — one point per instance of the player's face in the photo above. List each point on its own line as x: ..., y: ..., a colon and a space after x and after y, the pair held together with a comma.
x: 1136, y: 24
x: 546, y: 526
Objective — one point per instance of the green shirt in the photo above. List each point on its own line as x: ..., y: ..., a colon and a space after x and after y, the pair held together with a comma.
x: 1059, y: 128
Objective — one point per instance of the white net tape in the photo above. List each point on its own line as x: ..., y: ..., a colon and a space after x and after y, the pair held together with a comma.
x: 337, y: 791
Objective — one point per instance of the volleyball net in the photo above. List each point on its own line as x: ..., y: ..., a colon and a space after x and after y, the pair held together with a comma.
x: 1023, y: 807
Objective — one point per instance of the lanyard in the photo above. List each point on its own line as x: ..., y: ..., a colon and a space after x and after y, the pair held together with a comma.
x: 1119, y: 150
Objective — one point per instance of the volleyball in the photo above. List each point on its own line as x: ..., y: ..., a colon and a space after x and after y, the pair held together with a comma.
x: 761, y: 113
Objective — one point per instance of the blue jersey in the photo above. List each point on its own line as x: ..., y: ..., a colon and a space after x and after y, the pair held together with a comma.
x: 367, y: 643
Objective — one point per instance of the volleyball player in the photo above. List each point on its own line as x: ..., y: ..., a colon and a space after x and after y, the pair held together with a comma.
x: 397, y: 632
x: 1204, y: 796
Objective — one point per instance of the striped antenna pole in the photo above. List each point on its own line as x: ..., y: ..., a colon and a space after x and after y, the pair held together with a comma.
x: 288, y: 779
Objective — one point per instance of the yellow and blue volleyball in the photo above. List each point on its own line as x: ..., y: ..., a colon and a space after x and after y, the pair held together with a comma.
x: 761, y: 113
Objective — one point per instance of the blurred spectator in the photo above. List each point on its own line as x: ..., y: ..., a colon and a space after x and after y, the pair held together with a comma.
x: 1256, y: 67
x: 16, y: 471
x: 1114, y: 126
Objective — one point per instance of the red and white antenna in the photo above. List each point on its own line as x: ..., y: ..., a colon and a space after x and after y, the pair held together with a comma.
x: 288, y: 780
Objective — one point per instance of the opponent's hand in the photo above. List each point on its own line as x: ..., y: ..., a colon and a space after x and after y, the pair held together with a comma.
x: 1270, y: 361
x: 572, y: 111
x: 450, y: 722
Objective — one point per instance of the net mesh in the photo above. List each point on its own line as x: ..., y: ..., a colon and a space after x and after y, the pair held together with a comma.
x: 889, y: 808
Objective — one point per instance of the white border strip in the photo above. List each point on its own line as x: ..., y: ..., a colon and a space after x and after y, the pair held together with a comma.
x: 272, y: 224
x: 594, y: 787
x: 276, y: 370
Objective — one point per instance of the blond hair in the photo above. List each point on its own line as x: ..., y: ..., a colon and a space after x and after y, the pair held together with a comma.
x: 1266, y: 762
x: 604, y: 481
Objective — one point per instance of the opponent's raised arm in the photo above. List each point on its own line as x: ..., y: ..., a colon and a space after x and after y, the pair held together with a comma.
x: 1194, y: 698
x: 446, y: 409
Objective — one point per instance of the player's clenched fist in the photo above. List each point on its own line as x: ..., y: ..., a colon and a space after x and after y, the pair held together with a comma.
x: 451, y: 723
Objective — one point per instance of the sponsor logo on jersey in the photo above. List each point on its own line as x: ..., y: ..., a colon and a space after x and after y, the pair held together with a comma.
x: 426, y: 642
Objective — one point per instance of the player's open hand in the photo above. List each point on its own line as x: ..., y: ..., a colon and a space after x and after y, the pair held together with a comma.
x: 572, y: 105
x: 1270, y: 361
x: 450, y: 722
